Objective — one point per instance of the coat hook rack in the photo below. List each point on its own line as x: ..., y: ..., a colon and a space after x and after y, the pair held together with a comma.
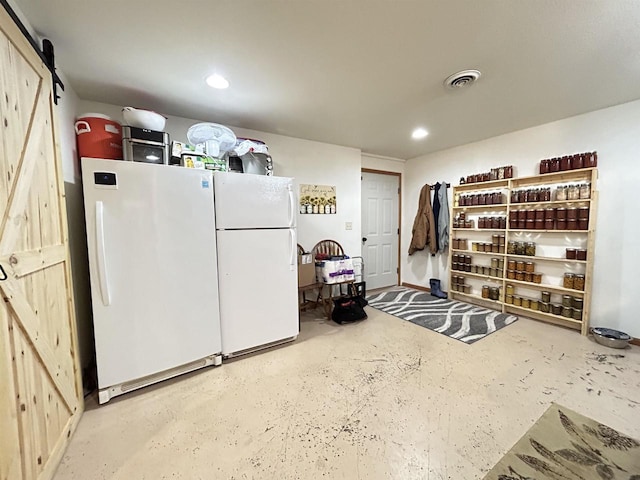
x: 433, y: 187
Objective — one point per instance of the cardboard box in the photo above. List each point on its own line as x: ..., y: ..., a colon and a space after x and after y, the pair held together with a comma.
x: 306, y: 270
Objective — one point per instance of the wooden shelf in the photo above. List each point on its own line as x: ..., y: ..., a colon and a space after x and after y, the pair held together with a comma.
x: 545, y: 317
x: 546, y: 259
x: 471, y: 252
x: 542, y: 286
x: 583, y: 174
x: 502, y: 206
x: 552, y: 203
x: 543, y: 231
x: 483, y: 186
x: 487, y: 230
x: 476, y: 297
x: 481, y: 276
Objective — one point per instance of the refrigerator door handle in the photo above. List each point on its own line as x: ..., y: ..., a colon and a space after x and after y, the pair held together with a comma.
x: 293, y: 248
x: 102, y: 263
x: 292, y: 206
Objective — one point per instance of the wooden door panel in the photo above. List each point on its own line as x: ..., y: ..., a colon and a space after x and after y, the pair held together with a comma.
x: 40, y: 390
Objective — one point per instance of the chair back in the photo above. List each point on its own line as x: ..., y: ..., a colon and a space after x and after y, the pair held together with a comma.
x: 328, y: 247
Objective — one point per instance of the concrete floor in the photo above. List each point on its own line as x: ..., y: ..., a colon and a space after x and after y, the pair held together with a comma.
x: 375, y: 400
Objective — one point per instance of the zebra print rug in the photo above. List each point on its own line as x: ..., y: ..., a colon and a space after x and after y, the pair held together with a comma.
x: 462, y: 321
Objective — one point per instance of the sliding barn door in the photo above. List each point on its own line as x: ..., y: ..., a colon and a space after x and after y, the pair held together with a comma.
x: 40, y: 390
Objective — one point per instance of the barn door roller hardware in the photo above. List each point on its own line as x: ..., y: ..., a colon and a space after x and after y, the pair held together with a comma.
x: 46, y: 54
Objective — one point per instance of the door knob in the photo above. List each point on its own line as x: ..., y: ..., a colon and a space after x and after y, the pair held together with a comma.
x: 364, y: 239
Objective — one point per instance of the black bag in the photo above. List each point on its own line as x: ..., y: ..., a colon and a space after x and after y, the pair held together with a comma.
x: 348, y: 309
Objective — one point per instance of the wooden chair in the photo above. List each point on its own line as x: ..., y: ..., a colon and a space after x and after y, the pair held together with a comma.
x: 331, y: 247
x: 303, y: 303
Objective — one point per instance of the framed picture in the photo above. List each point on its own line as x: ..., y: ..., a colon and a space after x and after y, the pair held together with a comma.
x: 317, y: 199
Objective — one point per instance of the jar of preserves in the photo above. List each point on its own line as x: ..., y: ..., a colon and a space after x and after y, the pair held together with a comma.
x: 549, y: 224
x: 511, y: 274
x: 530, y: 249
x: 567, y: 301
x: 578, y: 161
x: 467, y: 267
x: 485, y: 291
x: 561, y: 224
x: 519, y: 276
x: 508, y: 299
x: 482, y: 222
x: 573, y: 192
x: 543, y: 307
x: 520, y: 265
x: 549, y: 213
x: 517, y: 301
x: 501, y: 263
x: 585, y: 191
x: 577, y: 302
x: 572, y: 213
x: 581, y: 254
x: 567, y: 312
x: 514, y: 196
x: 494, y: 263
x: 578, y: 282
x: 495, y: 222
x: 522, y: 214
x: 561, y: 213
x: 467, y: 259
x: 545, y: 296
x: 494, y: 293
x: 592, y: 161
x: 555, y: 165
x: 464, y: 244
x: 568, y: 280
x: 545, y: 195
x: 526, y: 303
x: 474, y: 246
x: 513, y: 224
x: 561, y: 194
x: 499, y: 272
x: 539, y: 214
x: 529, y: 267
x: 572, y: 224
x: 521, y: 248
x: 468, y: 224
x: 510, y: 289
x: 508, y: 171
x: 502, y: 222
x: 556, y: 309
x: 511, y: 264
x: 576, y: 313
x: 565, y: 163
x: 495, y: 239
x: 531, y: 214
x: 538, y: 224
x: 502, y: 239
x: 474, y: 268
x: 583, y: 212
x: 537, y: 277
x: 495, y: 248
x: 528, y: 277
x: 570, y: 253
x: 583, y: 224
x: 533, y: 304
x: 454, y: 243
x: 511, y: 248
x: 545, y: 166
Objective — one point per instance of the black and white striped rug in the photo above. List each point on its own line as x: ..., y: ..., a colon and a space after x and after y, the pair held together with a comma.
x: 462, y: 321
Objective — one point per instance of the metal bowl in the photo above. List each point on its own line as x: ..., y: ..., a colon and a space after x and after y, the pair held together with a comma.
x: 610, y: 337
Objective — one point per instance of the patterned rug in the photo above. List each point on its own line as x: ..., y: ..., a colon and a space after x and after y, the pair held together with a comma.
x: 462, y: 321
x: 564, y: 445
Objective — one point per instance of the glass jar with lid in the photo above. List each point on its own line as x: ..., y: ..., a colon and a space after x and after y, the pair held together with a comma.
x: 561, y: 194
x: 485, y: 291
x: 585, y: 191
x: 568, y: 280
x: 530, y: 249
x: 578, y: 282
x: 545, y: 296
x: 573, y: 192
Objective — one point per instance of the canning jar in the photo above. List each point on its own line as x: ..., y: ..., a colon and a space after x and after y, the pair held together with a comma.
x: 502, y: 239
x: 573, y: 192
x: 511, y: 264
x: 501, y: 263
x: 561, y: 194
x: 549, y: 224
x: 581, y: 254
x: 530, y: 249
x: 517, y: 301
x: 545, y: 195
x: 577, y: 302
x: 572, y: 224
x: 576, y: 314
x: 519, y: 276
x: 520, y: 265
x: 522, y: 214
x: 545, y: 166
x: 494, y: 263
x: 485, y: 291
x: 538, y: 224
x: 495, y: 239
x: 567, y: 301
x: 565, y: 163
x: 508, y: 299
x: 468, y: 224
x: 555, y: 164
x: 495, y: 222
x: 520, y: 248
x: 543, y: 307
x: 561, y: 224
x: 508, y: 171
x: 510, y: 289
x: 529, y: 267
x: 482, y: 222
x: 572, y: 213
x: 570, y: 253
x: 494, y: 293
x: 474, y: 246
x: 550, y: 214
x: 585, y: 191
x: 511, y: 248
x: 502, y: 223
x: 561, y: 213
x: 511, y: 274
x: 583, y: 224
x: 568, y: 280
x: 592, y: 162
x: 495, y: 248
x: 539, y: 214
x: 528, y: 277
x: 578, y: 161
x: 567, y: 312
x: 556, y: 308
x: 537, y: 277
x: 454, y: 244
x: 526, y: 303
x: 533, y: 304
x: 578, y: 282
x: 546, y: 296
x: 467, y: 259
x: 522, y: 224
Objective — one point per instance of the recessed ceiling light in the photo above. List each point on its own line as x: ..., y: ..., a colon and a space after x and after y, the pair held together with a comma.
x: 217, y: 81
x: 419, y: 133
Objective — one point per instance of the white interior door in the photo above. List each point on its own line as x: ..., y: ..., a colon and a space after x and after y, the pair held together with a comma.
x: 380, y: 228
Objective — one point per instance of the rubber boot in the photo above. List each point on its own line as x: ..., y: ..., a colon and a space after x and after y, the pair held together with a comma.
x: 435, y: 288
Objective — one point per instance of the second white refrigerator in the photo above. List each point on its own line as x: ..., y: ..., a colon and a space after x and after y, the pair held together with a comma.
x: 257, y: 261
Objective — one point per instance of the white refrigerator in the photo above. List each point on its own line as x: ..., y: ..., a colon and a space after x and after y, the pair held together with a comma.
x: 257, y: 261
x: 153, y: 268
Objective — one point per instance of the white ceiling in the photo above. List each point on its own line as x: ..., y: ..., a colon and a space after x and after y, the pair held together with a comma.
x: 359, y: 73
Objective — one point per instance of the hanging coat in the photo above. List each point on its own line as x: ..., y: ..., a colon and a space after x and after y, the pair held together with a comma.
x: 424, y: 228
x: 436, y: 214
x: 443, y: 218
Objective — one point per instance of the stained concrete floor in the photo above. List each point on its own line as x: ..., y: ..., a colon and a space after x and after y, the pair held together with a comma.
x: 381, y: 399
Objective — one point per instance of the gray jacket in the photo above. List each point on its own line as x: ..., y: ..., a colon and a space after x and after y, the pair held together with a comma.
x: 443, y: 217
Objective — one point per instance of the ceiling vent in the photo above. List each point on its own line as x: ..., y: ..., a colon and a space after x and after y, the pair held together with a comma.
x: 462, y: 79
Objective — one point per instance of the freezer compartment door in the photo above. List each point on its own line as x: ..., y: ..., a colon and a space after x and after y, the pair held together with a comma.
x: 258, y: 273
x: 245, y: 201
x: 153, y: 266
